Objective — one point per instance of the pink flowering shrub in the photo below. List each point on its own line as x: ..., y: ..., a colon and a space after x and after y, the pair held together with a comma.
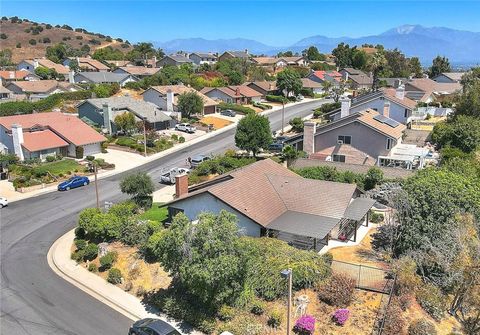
x: 305, y: 325
x: 341, y: 316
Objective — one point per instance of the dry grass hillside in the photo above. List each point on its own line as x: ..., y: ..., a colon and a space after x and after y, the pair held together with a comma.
x: 24, y: 31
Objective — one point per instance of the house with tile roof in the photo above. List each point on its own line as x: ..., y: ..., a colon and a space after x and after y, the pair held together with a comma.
x: 102, y: 112
x: 31, y: 64
x: 334, y: 77
x: 86, y: 64
x: 263, y: 87
x: 139, y: 72
x: 427, y: 90
x: 234, y: 54
x: 8, y: 76
x: 200, y: 58
x: 304, y: 212
x: 241, y: 94
x: 40, y: 135
x: 40, y: 89
x: 166, y: 98
x: 449, y: 77
x: 119, y: 63
x: 356, y: 79
x: 104, y: 78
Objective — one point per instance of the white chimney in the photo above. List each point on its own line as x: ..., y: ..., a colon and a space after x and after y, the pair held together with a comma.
x: 11, y: 74
x: 169, y: 101
x: 17, y: 136
x: 154, y: 61
x: 309, y: 129
x: 345, y: 106
x: 71, y: 78
x: 107, y: 114
x: 386, y: 109
x: 35, y: 63
x: 400, y: 92
x: 346, y: 76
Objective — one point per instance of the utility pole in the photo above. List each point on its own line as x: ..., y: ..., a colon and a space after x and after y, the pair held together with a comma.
x: 144, y: 139
x: 283, y: 115
x: 289, y: 309
x: 96, y: 183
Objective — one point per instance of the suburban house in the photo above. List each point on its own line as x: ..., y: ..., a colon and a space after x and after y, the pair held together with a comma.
x: 234, y: 54
x: 40, y: 89
x: 233, y: 94
x: 333, y: 77
x: 86, y: 64
x: 392, y: 82
x: 40, y: 135
x: 427, y: 90
x: 5, y: 94
x: 102, y: 112
x: 309, y: 84
x: 449, y: 77
x: 275, y: 63
x: 137, y: 71
x: 200, y: 58
x: 400, y: 107
x: 31, y: 64
x: 119, y: 63
x: 104, y: 78
x: 270, y: 200
x: 356, y: 79
x: 8, y: 76
x: 174, y: 60
x: 263, y: 87
x: 166, y: 97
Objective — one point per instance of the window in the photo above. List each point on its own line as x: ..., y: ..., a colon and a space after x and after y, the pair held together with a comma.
x: 406, y: 113
x: 389, y: 143
x: 375, y: 109
x: 344, y: 139
x: 339, y: 158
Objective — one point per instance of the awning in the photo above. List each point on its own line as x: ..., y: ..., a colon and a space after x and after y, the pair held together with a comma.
x: 358, y: 208
x: 303, y: 224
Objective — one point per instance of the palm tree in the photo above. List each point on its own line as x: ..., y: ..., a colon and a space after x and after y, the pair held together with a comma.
x: 376, y: 64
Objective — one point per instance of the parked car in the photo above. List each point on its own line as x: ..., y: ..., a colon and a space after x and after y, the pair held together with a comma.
x: 228, y: 112
x: 152, y: 326
x: 275, y: 146
x: 185, y: 127
x: 3, y: 202
x: 197, y: 160
x: 75, y: 181
x: 169, y: 177
x: 281, y: 139
x: 300, y: 97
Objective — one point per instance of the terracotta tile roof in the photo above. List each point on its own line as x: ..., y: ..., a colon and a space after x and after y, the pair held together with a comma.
x: 42, y: 140
x: 352, y: 154
x: 49, y: 64
x: 118, y: 63
x: 39, y: 86
x: 140, y: 70
x: 368, y: 117
x: 265, y: 190
x: 334, y: 74
x: 179, y: 89
x: 69, y: 127
x: 14, y: 75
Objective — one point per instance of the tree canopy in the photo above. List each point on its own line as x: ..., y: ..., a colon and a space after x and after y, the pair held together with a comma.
x: 125, y: 121
x: 439, y: 65
x: 289, y: 81
x: 253, y: 133
x: 140, y: 187
x: 190, y: 103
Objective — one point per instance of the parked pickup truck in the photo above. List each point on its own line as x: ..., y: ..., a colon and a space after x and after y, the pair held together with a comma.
x: 169, y: 177
x: 186, y: 128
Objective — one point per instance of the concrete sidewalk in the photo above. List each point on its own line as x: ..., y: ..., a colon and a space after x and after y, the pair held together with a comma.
x: 58, y: 258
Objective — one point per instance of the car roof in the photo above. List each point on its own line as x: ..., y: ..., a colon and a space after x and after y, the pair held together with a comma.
x: 158, y: 325
x: 198, y: 157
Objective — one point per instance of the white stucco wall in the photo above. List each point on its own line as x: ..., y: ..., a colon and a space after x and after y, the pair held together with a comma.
x: 205, y: 202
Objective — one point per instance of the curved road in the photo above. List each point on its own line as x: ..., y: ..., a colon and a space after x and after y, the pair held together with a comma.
x: 34, y: 300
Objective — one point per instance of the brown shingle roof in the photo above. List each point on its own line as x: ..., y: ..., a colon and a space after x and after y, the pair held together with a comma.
x: 390, y: 94
x: 140, y: 70
x: 42, y: 140
x: 37, y: 86
x: 179, y: 89
x: 265, y: 85
x: 90, y: 63
x: 245, y: 91
x: 430, y: 86
x: 309, y: 83
x: 49, y: 64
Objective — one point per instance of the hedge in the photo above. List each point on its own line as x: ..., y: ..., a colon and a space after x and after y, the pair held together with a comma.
x: 276, y: 98
x: 235, y: 107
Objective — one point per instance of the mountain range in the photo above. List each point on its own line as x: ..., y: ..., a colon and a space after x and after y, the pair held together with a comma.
x: 413, y: 40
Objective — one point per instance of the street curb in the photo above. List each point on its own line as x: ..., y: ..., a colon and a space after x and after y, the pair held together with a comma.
x: 52, y: 263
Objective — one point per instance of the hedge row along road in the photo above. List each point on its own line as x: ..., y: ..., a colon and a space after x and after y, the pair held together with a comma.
x: 34, y: 299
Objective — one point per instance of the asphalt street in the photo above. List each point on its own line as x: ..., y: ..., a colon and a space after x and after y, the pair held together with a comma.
x: 34, y: 300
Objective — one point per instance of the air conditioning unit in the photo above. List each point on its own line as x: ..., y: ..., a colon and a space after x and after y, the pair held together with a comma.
x: 339, y: 142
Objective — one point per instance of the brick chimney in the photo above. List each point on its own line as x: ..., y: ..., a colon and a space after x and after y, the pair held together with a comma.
x: 386, y: 109
x: 181, y: 185
x: 345, y: 106
x: 17, y: 137
x: 400, y: 92
x: 309, y: 129
x: 237, y: 91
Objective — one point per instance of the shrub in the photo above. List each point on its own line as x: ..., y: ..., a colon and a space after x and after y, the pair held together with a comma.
x: 32, y: 42
x: 107, y: 260
x: 3, y: 36
x: 337, y: 290
x: 376, y: 217
x: 79, y: 152
x: 305, y: 325
x: 258, y: 307
x: 432, y: 301
x: 341, y: 316
x: 408, y: 281
x: 422, y: 327
x: 50, y: 159
x: 79, y: 233
x: 235, y: 107
x: 394, y: 321
x: 275, y: 318
x: 226, y: 313
x: 181, y: 139
x: 19, y: 45
x: 114, y: 276
x: 90, y: 158
x: 92, y: 267
x: 91, y: 252
x: 78, y: 255
x: 297, y: 124
x: 80, y: 244
x: 276, y: 98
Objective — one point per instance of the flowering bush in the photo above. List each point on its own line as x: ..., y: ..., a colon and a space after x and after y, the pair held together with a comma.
x: 341, y: 316
x: 305, y: 325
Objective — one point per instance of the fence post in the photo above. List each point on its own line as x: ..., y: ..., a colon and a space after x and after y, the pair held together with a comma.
x: 359, y: 275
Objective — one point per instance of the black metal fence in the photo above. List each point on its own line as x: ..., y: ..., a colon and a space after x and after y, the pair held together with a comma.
x: 367, y: 277
x: 382, y: 312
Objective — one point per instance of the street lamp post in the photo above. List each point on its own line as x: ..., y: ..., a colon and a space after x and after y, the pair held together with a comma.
x: 287, y: 274
x: 283, y: 115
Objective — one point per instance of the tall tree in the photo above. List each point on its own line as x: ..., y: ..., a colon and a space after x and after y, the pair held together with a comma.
x: 253, y: 133
x: 312, y: 53
x: 190, y: 103
x: 125, y: 121
x: 359, y: 59
x: 415, y: 67
x: 140, y: 187
x: 439, y: 65
x: 376, y: 64
x: 342, y: 54
x: 289, y: 81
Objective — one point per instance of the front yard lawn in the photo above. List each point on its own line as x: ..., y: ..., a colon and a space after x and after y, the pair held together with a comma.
x: 156, y: 213
x: 60, y: 167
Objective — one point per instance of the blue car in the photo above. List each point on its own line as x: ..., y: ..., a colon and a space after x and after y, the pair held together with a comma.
x: 73, y: 182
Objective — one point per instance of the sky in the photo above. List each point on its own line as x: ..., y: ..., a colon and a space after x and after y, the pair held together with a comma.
x: 275, y: 23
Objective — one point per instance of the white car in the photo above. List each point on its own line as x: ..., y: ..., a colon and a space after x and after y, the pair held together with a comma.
x: 3, y: 202
x: 185, y: 127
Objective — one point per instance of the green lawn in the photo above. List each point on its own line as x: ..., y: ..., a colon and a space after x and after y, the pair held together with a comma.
x: 60, y: 167
x: 156, y: 213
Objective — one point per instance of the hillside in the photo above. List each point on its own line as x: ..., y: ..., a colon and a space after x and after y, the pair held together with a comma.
x: 22, y: 32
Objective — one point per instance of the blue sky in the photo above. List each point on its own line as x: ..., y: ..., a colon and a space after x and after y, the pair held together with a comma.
x: 276, y: 23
